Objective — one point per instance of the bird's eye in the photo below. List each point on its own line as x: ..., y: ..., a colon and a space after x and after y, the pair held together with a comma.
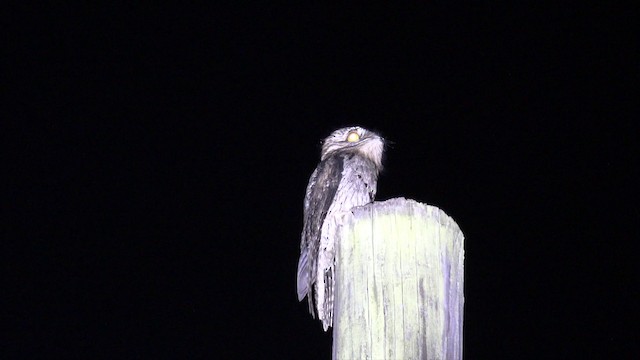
x: 353, y: 136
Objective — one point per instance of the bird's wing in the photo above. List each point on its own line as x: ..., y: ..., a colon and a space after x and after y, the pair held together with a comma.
x: 321, y: 191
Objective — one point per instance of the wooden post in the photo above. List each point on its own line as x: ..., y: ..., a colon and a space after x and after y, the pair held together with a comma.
x: 399, y: 283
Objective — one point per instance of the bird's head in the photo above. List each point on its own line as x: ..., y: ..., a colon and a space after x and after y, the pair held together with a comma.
x: 355, y: 139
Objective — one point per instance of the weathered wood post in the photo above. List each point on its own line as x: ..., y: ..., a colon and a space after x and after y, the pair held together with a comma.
x: 399, y: 283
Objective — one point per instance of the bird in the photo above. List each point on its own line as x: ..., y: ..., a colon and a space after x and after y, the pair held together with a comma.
x: 345, y: 177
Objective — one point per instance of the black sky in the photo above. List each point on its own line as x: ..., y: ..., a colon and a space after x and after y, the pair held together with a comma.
x: 157, y: 158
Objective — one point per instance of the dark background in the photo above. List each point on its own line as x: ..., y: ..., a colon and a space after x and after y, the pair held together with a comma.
x: 157, y: 158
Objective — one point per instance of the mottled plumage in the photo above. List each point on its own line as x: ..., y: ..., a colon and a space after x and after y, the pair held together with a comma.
x: 345, y: 177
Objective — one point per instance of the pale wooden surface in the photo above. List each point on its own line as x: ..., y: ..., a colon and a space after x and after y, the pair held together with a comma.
x: 399, y: 283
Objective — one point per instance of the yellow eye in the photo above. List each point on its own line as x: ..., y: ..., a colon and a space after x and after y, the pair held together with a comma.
x: 353, y: 137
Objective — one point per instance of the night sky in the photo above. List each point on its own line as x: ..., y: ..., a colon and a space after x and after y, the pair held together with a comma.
x: 157, y: 158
